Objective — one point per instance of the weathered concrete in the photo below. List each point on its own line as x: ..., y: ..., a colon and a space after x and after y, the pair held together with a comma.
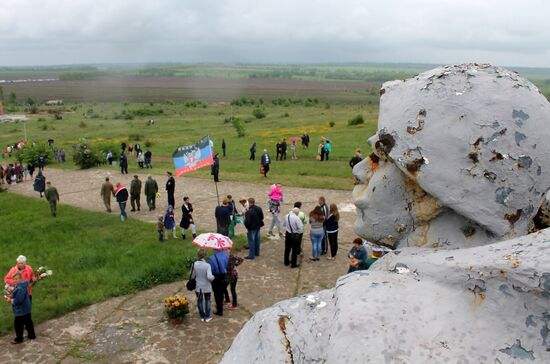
x: 467, y: 154
x: 489, y: 304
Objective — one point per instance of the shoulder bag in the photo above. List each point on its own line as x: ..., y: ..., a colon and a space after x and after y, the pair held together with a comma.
x: 192, y: 282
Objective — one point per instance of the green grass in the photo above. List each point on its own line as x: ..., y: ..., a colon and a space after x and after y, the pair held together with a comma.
x: 93, y: 255
x: 179, y: 125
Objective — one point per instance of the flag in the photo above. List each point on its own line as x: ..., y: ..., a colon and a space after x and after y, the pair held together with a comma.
x: 192, y: 157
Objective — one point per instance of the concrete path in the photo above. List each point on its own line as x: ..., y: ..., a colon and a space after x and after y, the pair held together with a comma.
x: 131, y: 329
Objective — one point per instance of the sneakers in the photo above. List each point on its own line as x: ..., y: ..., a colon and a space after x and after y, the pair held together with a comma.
x: 270, y: 233
x: 203, y: 320
x: 248, y: 257
x: 208, y: 319
x: 232, y: 307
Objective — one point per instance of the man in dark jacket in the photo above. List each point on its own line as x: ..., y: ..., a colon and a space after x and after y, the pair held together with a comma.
x: 187, y: 218
x: 215, y: 168
x: 147, y: 159
x: 135, y: 193
x: 283, y: 149
x: 21, y: 307
x: 279, y: 149
x: 40, y: 183
x: 170, y: 187
x: 223, y: 217
x: 265, y: 161
x: 252, y: 152
x: 121, y: 195
x: 356, y: 158
x: 151, y: 189
x: 123, y: 163
x: 253, y: 221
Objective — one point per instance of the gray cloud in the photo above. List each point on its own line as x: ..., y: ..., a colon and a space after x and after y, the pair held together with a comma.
x: 502, y: 32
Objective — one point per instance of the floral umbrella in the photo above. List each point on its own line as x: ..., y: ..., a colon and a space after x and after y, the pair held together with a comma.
x: 295, y: 138
x: 213, y: 241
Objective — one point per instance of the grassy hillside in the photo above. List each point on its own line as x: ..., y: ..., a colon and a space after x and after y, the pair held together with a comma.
x: 93, y: 255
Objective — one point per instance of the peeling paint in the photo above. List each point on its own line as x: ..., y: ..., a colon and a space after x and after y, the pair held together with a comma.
x: 495, y: 136
x: 519, y: 137
x: 420, y: 117
x: 524, y: 161
x: 530, y: 322
x: 501, y: 194
x: 491, y: 176
x: 517, y: 351
x: 519, y: 117
x: 513, y: 218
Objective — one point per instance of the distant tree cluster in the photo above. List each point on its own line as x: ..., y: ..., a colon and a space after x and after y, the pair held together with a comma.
x: 245, y: 101
x: 281, y: 101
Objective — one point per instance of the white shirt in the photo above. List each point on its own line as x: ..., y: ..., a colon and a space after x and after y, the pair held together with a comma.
x: 291, y: 220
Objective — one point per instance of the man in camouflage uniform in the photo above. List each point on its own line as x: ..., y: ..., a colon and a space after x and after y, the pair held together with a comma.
x: 107, y: 189
x: 53, y: 197
x: 135, y: 192
x: 151, y: 189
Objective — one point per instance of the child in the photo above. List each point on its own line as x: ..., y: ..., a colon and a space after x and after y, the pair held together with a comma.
x: 21, y: 306
x: 274, y: 203
x: 234, y: 261
x: 160, y: 228
x: 170, y: 222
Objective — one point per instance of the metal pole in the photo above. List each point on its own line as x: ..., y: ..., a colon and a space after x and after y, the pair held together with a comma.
x: 217, y: 195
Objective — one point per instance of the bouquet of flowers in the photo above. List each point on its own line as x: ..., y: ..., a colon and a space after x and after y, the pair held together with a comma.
x: 8, y: 292
x: 43, y: 272
x: 176, y: 307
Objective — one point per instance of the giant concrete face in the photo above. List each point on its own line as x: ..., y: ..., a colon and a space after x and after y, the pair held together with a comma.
x: 464, y: 159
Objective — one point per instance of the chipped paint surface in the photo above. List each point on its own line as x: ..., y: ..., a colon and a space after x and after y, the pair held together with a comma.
x: 478, y: 126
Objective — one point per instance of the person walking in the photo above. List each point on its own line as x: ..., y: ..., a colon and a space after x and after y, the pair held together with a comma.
x: 252, y: 152
x: 215, y: 167
x: 293, y: 148
x: 223, y: 217
x: 304, y: 221
x: 148, y: 157
x: 253, y: 221
x: 265, y: 160
x: 53, y: 197
x: 151, y: 190
x: 279, y: 150
x: 328, y: 149
x: 21, y: 307
x: 107, y: 189
x: 325, y: 208
x: 219, y: 263
x: 123, y: 163
x: 202, y: 272
x: 331, y: 227
x: 293, y: 226
x: 223, y: 147
x: 109, y: 157
x: 283, y: 149
x: 321, y: 151
x: 170, y: 188
x: 187, y: 218
x: 135, y: 193
x: 39, y: 184
x: 316, y: 219
x: 121, y: 195
x: 170, y: 222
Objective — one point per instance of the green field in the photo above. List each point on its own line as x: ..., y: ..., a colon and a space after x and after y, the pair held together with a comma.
x: 93, y: 255
x: 177, y: 124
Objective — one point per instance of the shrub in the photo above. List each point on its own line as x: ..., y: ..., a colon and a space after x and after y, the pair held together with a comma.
x: 82, y: 125
x: 356, y: 120
x: 31, y: 154
x: 239, y: 127
x: 286, y: 115
x: 259, y: 113
x: 85, y: 156
x: 44, y: 127
x: 169, y: 102
x: 331, y: 124
x: 148, y: 144
x: 41, y: 119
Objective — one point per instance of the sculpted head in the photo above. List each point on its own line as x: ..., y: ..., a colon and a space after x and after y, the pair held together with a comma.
x: 460, y: 159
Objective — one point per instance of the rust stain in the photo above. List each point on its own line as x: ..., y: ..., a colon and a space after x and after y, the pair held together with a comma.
x: 512, y: 218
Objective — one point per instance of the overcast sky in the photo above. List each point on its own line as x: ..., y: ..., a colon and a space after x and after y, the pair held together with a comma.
x: 501, y: 32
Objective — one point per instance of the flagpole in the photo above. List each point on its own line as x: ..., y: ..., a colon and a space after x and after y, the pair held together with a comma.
x: 217, y: 195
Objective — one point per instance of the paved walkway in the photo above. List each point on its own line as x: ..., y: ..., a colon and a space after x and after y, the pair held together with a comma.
x: 130, y: 329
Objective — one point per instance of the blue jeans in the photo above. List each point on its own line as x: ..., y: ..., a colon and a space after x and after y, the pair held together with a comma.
x: 204, y: 312
x: 254, y: 242
x: 316, y: 239
x: 122, y: 206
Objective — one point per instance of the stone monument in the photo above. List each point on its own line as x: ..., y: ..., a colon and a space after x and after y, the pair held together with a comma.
x: 458, y: 175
